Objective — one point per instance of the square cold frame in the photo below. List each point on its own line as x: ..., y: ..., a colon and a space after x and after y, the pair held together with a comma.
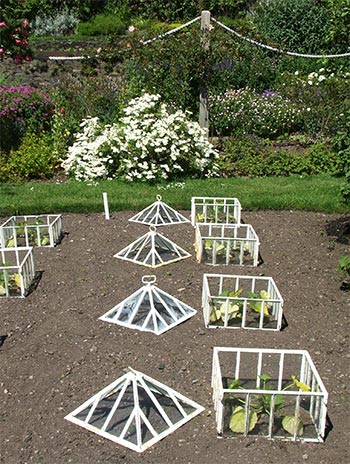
x: 16, y: 271
x: 215, y: 210
x: 277, y: 394
x: 44, y: 230
x: 235, y: 301
x: 226, y: 244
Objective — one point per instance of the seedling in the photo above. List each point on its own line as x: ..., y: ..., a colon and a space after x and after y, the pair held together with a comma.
x: 266, y: 403
x: 344, y: 266
x: 10, y: 280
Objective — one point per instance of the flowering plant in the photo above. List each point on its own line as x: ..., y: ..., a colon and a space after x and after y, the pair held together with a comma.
x: 244, y: 111
x: 25, y: 106
x: 150, y: 142
x: 22, y: 107
x: 14, y: 38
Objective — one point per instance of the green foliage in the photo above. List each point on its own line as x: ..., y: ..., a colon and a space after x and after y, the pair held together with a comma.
x: 341, y: 144
x: 324, y: 99
x: 255, y: 158
x: 344, y: 266
x: 296, y: 25
x: 77, y: 98
x: 33, y: 159
x: 241, y: 112
x: 171, y: 68
x: 265, y: 403
x: 165, y: 10
x: 338, y: 31
x: 102, y: 24
x: 83, y: 9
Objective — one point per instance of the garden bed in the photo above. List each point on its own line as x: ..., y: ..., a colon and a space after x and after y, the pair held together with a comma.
x: 56, y: 353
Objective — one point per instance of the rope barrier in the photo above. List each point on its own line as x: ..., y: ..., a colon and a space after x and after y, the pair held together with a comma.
x: 303, y: 55
x: 165, y: 34
x: 228, y: 29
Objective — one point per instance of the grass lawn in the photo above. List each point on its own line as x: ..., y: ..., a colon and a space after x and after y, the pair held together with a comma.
x: 310, y: 193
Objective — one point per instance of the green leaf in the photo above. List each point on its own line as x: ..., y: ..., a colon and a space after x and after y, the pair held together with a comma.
x: 265, y: 377
x: 2, y: 290
x: 208, y: 244
x: 225, y: 293
x: 302, y: 386
x: 293, y: 425
x: 236, y: 293
x: 264, y: 295
x: 10, y: 242
x: 45, y: 241
x: 237, y: 420
x: 215, y: 314
x: 234, y: 384
x: 279, y: 400
x: 256, y: 307
x: 233, y: 311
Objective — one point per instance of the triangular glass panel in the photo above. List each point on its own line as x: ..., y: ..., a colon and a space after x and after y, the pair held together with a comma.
x: 152, y: 250
x: 159, y: 214
x: 135, y: 411
x: 149, y: 309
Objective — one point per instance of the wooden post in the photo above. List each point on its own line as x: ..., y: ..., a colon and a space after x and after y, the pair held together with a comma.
x: 203, y: 97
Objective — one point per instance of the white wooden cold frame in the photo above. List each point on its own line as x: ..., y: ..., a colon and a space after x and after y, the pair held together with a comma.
x: 239, y: 244
x: 16, y: 271
x: 214, y: 285
x: 43, y: 230
x: 215, y: 209
x: 248, y: 365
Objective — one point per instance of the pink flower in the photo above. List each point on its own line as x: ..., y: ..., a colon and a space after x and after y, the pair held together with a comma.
x: 25, y: 23
x: 18, y: 41
x: 3, y: 24
x: 25, y: 43
x: 1, y: 51
x: 18, y: 59
x: 28, y: 58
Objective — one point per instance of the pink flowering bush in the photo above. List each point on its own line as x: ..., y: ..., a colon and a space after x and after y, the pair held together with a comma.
x: 21, y: 108
x: 14, y: 40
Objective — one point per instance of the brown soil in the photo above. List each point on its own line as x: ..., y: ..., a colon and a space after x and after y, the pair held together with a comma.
x: 55, y: 353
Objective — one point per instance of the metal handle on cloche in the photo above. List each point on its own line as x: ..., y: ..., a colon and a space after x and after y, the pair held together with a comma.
x: 149, y: 279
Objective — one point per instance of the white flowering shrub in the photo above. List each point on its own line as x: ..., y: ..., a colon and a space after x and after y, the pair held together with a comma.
x: 149, y: 143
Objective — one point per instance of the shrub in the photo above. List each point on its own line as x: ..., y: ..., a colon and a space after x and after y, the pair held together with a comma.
x: 77, y: 98
x: 324, y: 99
x: 61, y: 23
x: 254, y: 157
x: 297, y: 25
x: 150, y: 143
x: 102, y: 24
x: 22, y: 107
x: 33, y: 159
x: 243, y: 112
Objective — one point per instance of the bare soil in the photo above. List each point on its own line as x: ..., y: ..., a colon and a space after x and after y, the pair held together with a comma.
x: 55, y: 353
